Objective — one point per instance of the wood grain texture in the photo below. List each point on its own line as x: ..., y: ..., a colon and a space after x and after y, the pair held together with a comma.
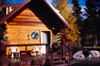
x: 21, y: 27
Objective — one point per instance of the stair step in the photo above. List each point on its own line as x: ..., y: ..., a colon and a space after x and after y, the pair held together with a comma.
x: 59, y: 61
x: 63, y: 65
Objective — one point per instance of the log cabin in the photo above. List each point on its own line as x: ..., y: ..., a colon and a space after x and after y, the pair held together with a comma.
x: 29, y: 17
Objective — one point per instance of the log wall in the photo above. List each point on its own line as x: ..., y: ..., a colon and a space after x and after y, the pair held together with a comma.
x: 20, y: 28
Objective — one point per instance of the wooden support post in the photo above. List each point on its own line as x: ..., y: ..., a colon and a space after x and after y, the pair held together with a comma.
x: 51, y: 58
x: 46, y: 51
x: 26, y: 54
x: 1, y: 55
x: 64, y: 50
x: 70, y: 54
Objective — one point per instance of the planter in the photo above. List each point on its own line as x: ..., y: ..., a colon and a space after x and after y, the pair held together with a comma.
x: 5, y: 42
x: 14, y: 64
x: 36, y: 62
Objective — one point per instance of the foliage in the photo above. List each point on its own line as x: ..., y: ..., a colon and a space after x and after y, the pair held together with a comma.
x: 5, y: 37
x: 91, y: 25
x: 1, y: 9
x: 2, y: 30
x: 77, y: 12
x: 15, y: 61
x: 72, y: 33
x: 1, y: 33
x: 37, y: 58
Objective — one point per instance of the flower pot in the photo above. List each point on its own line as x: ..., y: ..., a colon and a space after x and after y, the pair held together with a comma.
x: 5, y: 42
x: 14, y: 64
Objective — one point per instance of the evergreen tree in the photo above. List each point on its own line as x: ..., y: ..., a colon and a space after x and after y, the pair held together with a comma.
x: 3, y: 26
x: 72, y: 33
x: 92, y: 23
x: 2, y: 14
x: 77, y: 12
x: 93, y: 15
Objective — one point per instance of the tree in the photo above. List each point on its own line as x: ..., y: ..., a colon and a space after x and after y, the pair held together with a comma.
x: 91, y: 24
x: 72, y: 33
x: 93, y: 15
x: 3, y: 28
x: 2, y: 14
x: 77, y: 12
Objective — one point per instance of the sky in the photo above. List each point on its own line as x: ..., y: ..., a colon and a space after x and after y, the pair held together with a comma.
x: 82, y: 4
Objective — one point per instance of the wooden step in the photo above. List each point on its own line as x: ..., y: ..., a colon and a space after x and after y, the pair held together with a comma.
x: 59, y: 61
x: 63, y: 65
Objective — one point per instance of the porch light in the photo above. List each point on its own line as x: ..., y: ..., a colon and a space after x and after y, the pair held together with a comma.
x: 53, y: 28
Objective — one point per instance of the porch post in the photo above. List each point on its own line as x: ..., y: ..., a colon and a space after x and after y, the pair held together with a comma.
x: 51, y: 58
x: 1, y: 60
x: 63, y: 48
x: 70, y: 54
x: 3, y: 50
x: 47, y: 51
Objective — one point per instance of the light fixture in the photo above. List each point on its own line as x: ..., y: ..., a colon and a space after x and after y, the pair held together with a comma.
x: 53, y: 28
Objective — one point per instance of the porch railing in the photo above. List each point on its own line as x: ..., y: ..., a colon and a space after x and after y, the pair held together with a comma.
x: 70, y: 51
x: 3, y: 50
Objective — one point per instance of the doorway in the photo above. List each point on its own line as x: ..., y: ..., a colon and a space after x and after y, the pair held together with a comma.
x: 45, y: 39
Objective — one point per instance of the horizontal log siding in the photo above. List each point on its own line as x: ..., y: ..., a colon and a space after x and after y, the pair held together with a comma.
x: 27, y: 18
x: 22, y: 26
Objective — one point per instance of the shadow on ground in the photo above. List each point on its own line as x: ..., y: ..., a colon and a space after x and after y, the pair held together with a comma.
x: 95, y: 62
x: 86, y: 64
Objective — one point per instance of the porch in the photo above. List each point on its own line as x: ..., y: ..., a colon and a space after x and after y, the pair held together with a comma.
x: 29, y: 59
x: 26, y: 59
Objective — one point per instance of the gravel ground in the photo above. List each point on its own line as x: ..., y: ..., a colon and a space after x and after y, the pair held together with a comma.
x: 95, y: 62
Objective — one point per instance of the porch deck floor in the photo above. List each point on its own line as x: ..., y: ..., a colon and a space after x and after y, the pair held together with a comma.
x: 29, y: 59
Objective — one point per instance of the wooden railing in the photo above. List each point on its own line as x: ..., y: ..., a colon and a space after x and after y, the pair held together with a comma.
x: 70, y: 51
x: 3, y: 50
x: 51, y: 55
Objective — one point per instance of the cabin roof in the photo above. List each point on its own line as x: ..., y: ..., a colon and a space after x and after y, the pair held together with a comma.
x: 43, y: 10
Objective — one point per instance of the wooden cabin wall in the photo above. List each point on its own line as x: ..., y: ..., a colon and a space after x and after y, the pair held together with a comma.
x: 20, y: 28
